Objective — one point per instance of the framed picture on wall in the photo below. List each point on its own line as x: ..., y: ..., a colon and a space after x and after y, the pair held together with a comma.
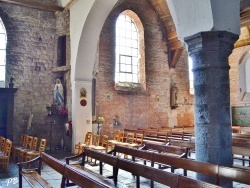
x: 241, y: 116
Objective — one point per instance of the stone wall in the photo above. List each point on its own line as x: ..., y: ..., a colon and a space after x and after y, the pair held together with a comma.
x: 142, y: 109
x: 31, y: 59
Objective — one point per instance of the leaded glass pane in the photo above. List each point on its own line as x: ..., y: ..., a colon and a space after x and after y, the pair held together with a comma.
x: 126, y: 50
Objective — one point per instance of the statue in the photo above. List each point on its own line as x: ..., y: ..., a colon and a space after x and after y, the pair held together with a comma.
x: 58, y: 93
x: 29, y: 130
x: 11, y: 84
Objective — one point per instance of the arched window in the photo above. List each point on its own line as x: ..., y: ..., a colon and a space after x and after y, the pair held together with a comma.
x: 3, y: 41
x: 191, y: 76
x: 129, y: 49
x: 244, y: 78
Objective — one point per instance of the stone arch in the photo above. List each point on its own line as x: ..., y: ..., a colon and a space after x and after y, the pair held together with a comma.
x: 86, y: 22
x: 89, y: 37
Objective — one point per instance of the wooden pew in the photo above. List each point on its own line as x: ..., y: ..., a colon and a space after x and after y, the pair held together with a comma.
x: 238, y: 175
x: 34, y: 178
x: 84, y: 179
x: 234, y: 174
x: 102, y: 157
x: 241, y: 146
x: 163, y: 177
x: 243, y: 151
x: 164, y: 136
x: 240, y: 135
x: 175, y: 151
x: 180, y: 152
x: 138, y: 170
x: 188, y: 144
x: 179, y: 135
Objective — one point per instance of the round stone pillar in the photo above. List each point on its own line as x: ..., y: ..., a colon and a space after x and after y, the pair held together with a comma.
x: 213, y: 136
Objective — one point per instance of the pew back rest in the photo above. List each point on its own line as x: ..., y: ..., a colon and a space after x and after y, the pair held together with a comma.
x: 106, y: 158
x: 181, y: 143
x: 53, y: 163
x: 185, y: 182
x: 82, y: 180
x: 167, y: 149
x: 154, y: 174
x: 187, y: 164
x: 241, y: 142
x: 234, y: 174
x: 134, y: 152
x: 241, y: 150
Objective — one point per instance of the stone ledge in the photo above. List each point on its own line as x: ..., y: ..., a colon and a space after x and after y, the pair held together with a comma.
x: 129, y: 88
x: 62, y: 68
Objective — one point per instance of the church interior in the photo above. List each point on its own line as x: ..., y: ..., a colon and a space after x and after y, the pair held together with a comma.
x: 161, y: 69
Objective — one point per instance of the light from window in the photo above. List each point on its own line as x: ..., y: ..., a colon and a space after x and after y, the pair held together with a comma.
x: 3, y: 41
x: 191, y: 76
x: 127, y: 69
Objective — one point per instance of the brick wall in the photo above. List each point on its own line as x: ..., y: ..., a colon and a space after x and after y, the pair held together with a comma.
x: 234, y: 60
x: 142, y: 109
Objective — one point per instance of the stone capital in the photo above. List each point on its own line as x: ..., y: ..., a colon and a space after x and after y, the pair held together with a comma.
x: 211, y: 41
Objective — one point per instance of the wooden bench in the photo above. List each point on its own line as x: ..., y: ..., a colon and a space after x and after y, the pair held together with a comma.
x: 241, y: 147
x: 243, y: 152
x: 166, y: 178
x: 34, y: 178
x: 102, y: 157
x: 215, y: 171
x: 165, y: 136
x: 139, y: 170
x: 175, y: 151
x: 188, y: 144
x: 179, y: 152
x: 179, y: 135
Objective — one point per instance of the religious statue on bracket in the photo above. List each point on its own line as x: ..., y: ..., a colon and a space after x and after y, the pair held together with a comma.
x: 58, y: 93
x: 173, y: 96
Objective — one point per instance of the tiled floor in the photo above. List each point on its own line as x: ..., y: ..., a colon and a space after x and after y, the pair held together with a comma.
x: 10, y: 179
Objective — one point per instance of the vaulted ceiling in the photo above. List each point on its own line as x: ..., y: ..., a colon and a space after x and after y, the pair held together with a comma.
x: 174, y: 46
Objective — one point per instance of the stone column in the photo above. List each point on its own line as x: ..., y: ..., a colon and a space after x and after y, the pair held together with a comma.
x: 213, y: 136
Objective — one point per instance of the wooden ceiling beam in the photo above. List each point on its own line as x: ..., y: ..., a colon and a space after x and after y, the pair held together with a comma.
x: 174, y: 57
x: 241, y: 43
x: 245, y: 17
x: 70, y: 4
x: 35, y: 4
x: 175, y: 45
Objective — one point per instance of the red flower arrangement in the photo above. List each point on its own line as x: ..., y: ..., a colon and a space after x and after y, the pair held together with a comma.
x: 55, y: 109
x: 63, y: 111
